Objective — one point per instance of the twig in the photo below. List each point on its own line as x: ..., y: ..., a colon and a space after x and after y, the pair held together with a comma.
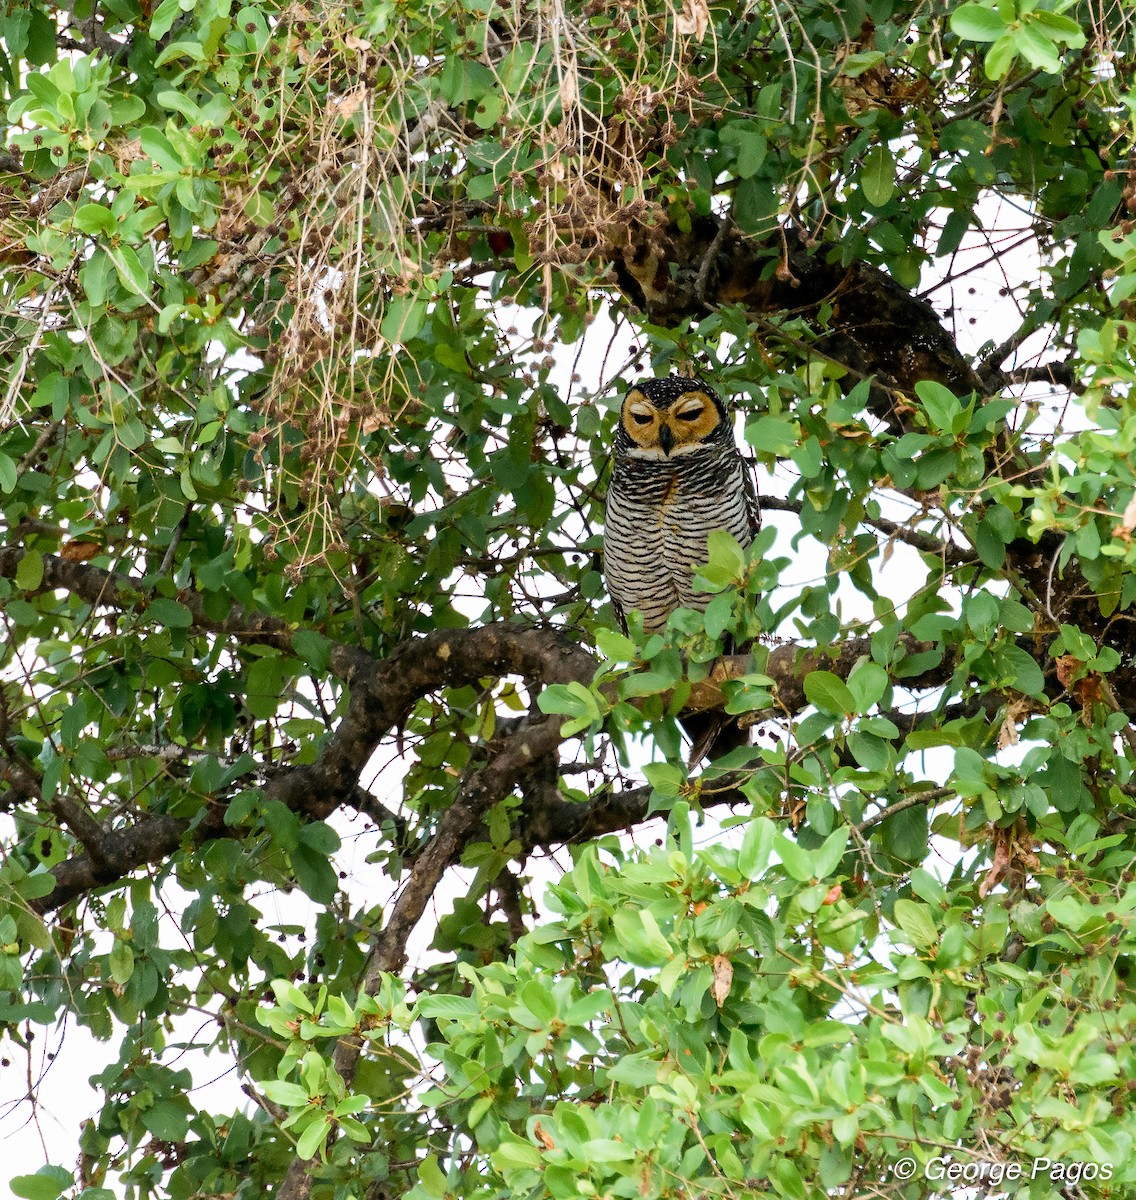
x: 930, y: 796
x: 1059, y: 374
x: 724, y: 225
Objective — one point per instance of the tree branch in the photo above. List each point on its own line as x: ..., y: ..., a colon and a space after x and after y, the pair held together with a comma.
x: 108, y: 589
x: 478, y: 793
x: 382, y: 694
x: 925, y: 543
x: 875, y: 327
x: 1059, y: 374
x: 931, y: 796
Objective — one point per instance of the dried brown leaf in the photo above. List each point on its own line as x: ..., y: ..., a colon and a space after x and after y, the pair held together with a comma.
x: 569, y: 89
x: 79, y: 551
x: 1000, y: 865
x: 694, y: 19
x: 347, y: 106
x: 1008, y: 732
x: 1127, y: 522
x: 723, y: 976
x: 1067, y: 667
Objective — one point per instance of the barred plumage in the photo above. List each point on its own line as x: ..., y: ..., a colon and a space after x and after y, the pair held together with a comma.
x: 678, y: 476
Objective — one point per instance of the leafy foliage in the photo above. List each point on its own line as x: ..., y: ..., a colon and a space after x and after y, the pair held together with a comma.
x: 315, y: 319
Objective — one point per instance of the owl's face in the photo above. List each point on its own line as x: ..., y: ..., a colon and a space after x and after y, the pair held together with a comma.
x: 668, y: 417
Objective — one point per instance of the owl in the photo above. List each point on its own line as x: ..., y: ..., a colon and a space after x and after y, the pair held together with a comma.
x: 678, y: 476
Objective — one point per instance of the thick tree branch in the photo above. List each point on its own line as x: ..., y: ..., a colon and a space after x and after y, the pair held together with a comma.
x: 1058, y: 374
x: 382, y: 694
x: 875, y: 327
x: 88, y: 832
x: 614, y: 812
x: 120, y: 851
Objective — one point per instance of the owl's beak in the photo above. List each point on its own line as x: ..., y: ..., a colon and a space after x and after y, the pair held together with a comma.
x: 666, y: 439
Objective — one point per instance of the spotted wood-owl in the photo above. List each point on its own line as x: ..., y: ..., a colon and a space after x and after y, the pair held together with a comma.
x: 678, y: 476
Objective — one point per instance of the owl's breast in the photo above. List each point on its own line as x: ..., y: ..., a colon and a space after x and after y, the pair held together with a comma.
x: 659, y: 516
x: 669, y: 495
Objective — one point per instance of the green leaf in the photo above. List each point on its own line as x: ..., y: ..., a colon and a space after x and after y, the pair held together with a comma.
x: 431, y: 1177
x: 36, y: 885
x: 563, y: 699
x: 788, y: 1180
x: 1000, y: 57
x: 463, y: 80
x: 857, y: 63
x: 29, y: 572
x: 667, y: 779
x: 917, y: 924
x: 252, y: 23
x: 829, y: 693
x: 588, y: 1007
x: 575, y: 701
x: 313, y: 648
x: 170, y: 613
x: 48, y: 1183
x: 160, y: 149
x: 121, y: 962
x: 615, y: 646
x: 1059, y: 27
x: 43, y: 89
x: 640, y: 939
x: 460, y: 1008
x: 940, y: 404
x: 538, y: 1000
x: 313, y: 1138
x: 163, y: 18
x: 283, y: 1091
x: 724, y: 555
x: 753, y: 856
x: 516, y: 1154
x: 1037, y: 49
x: 773, y: 435
x: 320, y: 837
x: 826, y: 858
x: 750, y: 143
x: 1020, y: 669
x: 877, y: 176
x: 130, y: 271
x: 867, y: 684
x: 905, y: 835
x: 290, y: 997
x: 265, y: 686
x: 977, y: 23
x: 990, y: 544
x: 314, y: 873
x: 403, y: 319
x: 167, y: 1120
x: 94, y: 218
x: 797, y: 860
